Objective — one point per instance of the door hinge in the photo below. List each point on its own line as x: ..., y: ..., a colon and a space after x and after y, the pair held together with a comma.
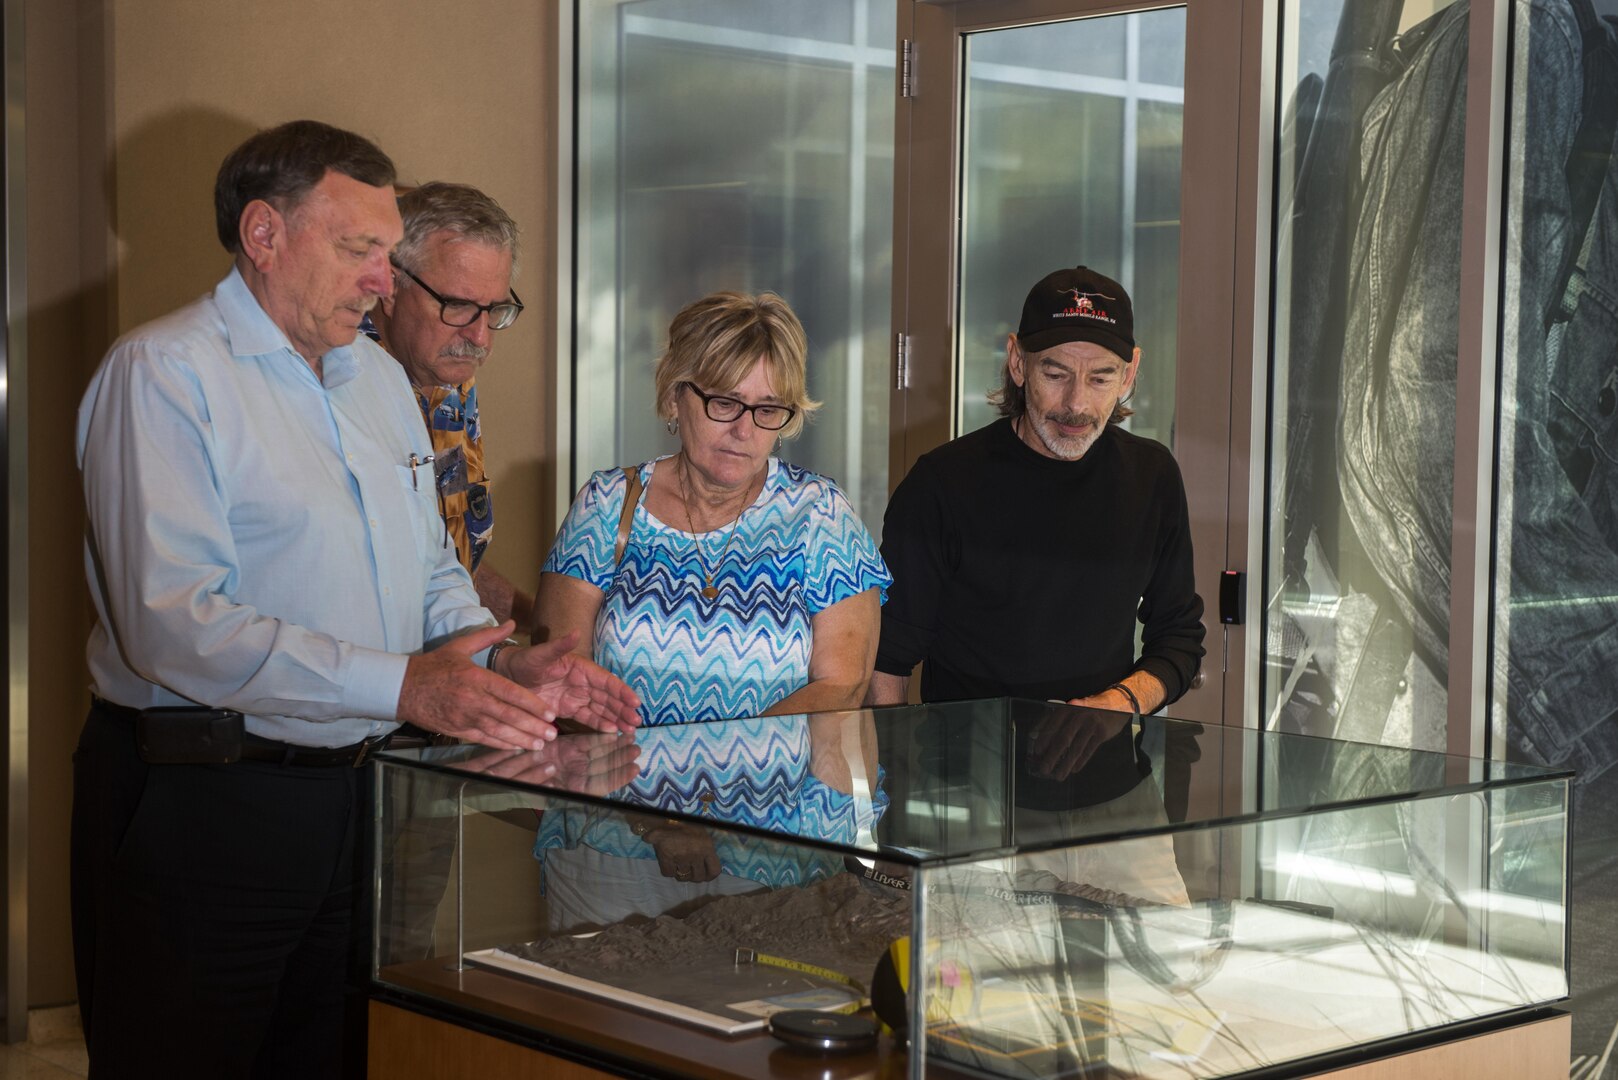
x: 907, y: 69
x: 901, y: 361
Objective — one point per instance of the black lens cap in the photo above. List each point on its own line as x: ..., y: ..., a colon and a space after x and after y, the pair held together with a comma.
x: 823, y: 1032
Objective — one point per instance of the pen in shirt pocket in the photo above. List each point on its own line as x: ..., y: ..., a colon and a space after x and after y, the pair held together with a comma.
x: 415, y: 462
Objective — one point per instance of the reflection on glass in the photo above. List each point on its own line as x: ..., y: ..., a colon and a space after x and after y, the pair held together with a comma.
x: 745, y: 147
x: 1086, y: 889
x: 1555, y: 670
x: 1367, y: 291
x: 1072, y: 136
x: 1556, y: 636
x: 794, y: 775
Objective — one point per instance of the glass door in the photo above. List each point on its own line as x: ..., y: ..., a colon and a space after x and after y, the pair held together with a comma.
x: 1073, y: 133
x: 1036, y: 135
x: 734, y: 146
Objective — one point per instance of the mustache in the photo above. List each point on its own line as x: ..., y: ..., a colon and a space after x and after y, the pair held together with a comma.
x: 461, y: 349
x: 1073, y: 419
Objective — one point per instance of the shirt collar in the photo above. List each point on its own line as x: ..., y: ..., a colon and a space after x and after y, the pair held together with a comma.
x: 434, y: 396
x: 253, y: 333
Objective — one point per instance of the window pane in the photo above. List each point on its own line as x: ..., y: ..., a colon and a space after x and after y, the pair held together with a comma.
x: 746, y: 147
x: 1072, y: 138
x: 1367, y: 292
x: 1556, y: 630
x: 1555, y: 670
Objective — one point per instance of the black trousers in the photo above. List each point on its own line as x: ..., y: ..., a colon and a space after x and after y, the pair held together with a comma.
x: 213, y: 913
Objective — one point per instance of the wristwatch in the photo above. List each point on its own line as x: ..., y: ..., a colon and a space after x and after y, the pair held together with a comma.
x: 496, y: 649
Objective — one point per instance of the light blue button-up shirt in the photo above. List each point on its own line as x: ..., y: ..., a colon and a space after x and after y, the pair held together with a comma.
x: 257, y: 538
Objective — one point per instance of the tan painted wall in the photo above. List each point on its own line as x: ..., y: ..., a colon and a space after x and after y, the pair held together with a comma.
x: 132, y: 104
x: 64, y: 324
x: 459, y: 92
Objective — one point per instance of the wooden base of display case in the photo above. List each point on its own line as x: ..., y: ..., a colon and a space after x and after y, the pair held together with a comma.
x: 1537, y: 1050
x: 407, y: 1045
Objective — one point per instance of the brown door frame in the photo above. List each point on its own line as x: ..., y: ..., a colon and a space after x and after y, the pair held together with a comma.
x: 1218, y: 290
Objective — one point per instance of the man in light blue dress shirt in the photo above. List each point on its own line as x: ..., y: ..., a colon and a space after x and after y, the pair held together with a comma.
x: 264, y: 540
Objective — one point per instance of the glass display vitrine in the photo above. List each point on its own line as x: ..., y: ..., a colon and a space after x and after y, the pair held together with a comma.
x: 1010, y: 888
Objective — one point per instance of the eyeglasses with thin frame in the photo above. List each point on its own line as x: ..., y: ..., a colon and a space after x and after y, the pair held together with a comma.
x: 727, y: 410
x: 455, y: 311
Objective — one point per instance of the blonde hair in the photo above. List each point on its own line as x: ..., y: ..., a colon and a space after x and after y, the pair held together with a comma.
x: 715, y: 342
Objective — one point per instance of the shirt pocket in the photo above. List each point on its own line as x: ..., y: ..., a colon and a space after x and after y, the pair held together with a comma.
x: 421, y: 507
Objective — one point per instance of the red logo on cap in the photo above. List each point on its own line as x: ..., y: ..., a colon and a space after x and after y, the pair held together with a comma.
x: 1084, y: 307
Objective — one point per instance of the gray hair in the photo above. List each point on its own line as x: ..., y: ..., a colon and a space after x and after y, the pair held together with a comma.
x: 459, y: 208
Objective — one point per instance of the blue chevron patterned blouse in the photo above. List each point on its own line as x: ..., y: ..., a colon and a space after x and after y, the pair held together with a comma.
x: 798, y: 549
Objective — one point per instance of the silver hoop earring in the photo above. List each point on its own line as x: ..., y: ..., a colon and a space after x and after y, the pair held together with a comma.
x: 673, y: 425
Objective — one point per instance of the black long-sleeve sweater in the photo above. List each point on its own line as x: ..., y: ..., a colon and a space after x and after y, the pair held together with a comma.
x: 1020, y: 575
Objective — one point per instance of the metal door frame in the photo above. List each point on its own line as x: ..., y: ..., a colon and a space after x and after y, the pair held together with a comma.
x: 1224, y: 271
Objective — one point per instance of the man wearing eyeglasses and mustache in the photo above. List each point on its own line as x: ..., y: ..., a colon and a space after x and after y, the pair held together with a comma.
x: 452, y: 290
x: 271, y: 605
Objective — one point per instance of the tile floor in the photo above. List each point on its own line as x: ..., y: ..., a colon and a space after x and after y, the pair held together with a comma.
x: 54, y: 1050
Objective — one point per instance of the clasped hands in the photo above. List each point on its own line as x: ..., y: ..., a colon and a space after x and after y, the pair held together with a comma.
x: 515, y: 708
x: 684, y: 852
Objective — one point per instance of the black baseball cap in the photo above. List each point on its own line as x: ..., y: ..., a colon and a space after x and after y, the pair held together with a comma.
x: 1078, y: 305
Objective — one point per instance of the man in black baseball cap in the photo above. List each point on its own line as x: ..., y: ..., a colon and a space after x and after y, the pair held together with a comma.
x: 1024, y: 552
x: 1080, y: 327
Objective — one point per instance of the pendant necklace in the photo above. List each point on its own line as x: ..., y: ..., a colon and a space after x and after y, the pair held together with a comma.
x: 709, y: 591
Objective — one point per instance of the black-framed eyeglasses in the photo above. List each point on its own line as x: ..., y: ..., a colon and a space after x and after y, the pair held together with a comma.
x: 455, y: 311
x: 727, y: 410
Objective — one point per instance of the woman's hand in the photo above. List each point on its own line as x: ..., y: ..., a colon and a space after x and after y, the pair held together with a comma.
x: 684, y: 852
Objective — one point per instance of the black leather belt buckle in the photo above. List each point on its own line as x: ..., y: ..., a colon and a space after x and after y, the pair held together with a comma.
x: 366, y: 747
x: 189, y: 735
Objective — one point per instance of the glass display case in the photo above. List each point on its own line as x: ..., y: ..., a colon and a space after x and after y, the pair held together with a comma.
x: 1006, y: 888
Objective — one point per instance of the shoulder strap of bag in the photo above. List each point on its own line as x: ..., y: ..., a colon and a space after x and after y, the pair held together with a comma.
x: 626, y: 519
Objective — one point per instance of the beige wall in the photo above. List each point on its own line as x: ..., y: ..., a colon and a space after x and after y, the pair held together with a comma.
x: 132, y: 104
x: 65, y: 303
x: 459, y: 92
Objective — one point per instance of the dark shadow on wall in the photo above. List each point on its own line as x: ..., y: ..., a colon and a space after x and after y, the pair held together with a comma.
x: 159, y: 192
x: 59, y: 620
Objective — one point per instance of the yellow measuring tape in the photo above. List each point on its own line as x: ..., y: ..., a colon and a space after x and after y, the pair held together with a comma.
x: 753, y: 956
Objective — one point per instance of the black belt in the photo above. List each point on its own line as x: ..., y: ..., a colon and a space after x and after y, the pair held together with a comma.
x: 258, y: 748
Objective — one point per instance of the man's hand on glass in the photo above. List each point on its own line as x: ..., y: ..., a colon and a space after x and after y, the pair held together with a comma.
x: 1063, y: 742
x: 446, y: 691
x: 590, y: 763
x: 580, y: 690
